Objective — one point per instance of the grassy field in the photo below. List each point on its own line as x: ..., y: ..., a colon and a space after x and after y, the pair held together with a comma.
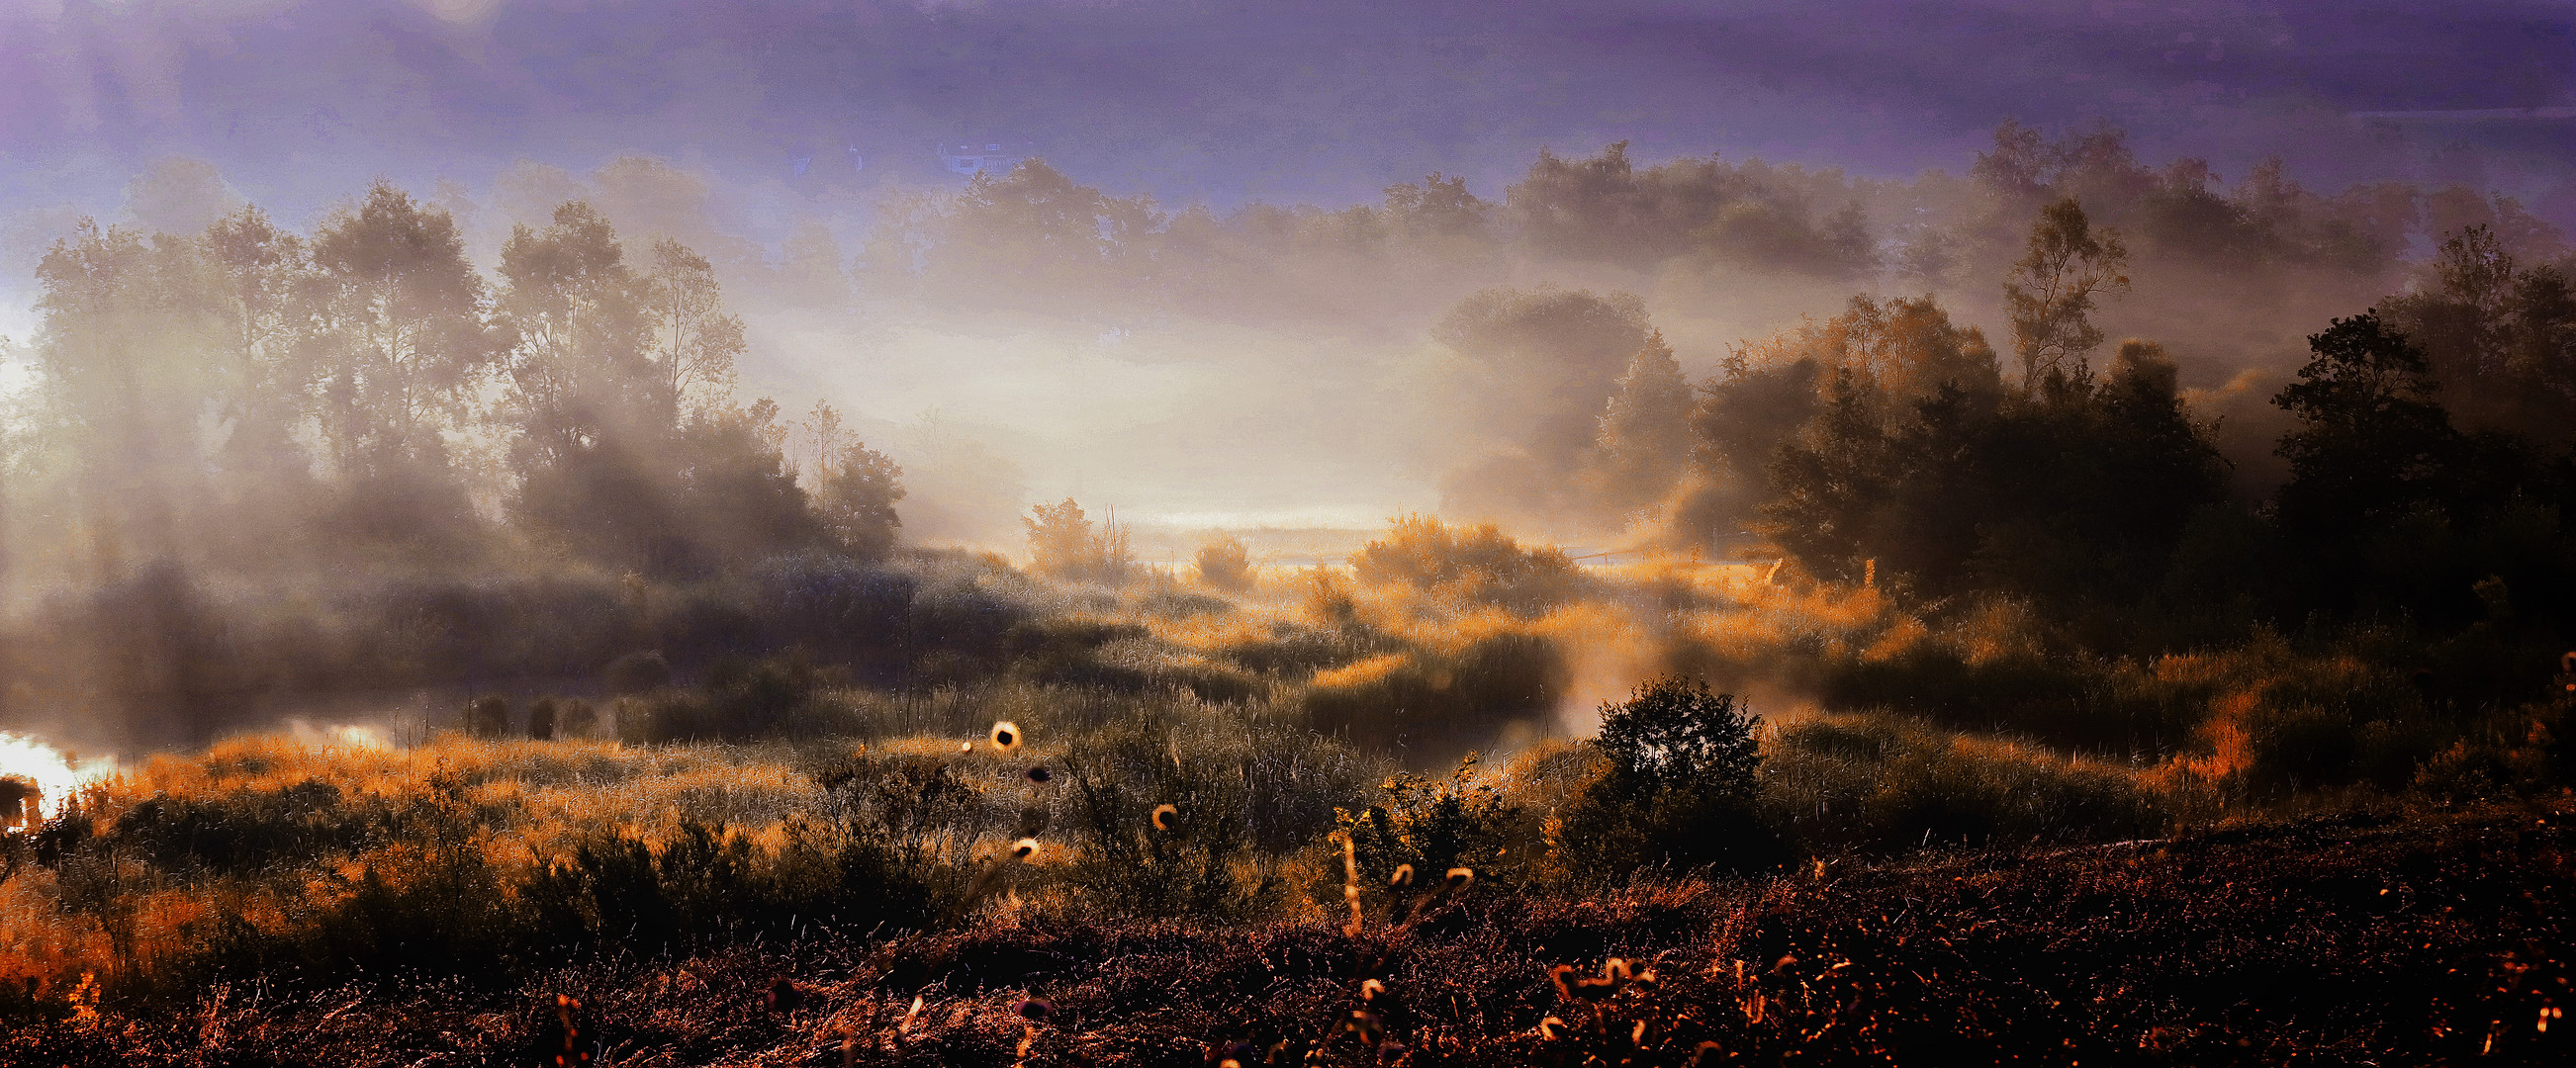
x: 1165, y: 823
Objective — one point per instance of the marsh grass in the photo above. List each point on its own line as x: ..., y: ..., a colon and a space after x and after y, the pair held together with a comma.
x: 1187, y: 756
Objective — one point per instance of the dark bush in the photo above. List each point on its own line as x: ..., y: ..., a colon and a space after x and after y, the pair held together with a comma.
x: 1679, y: 790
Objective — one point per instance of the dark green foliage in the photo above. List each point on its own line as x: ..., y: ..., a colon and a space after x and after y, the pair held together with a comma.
x: 2394, y: 508
x: 2373, y: 442
x: 2077, y: 495
x: 1833, y: 485
x: 1673, y: 734
x: 1679, y: 790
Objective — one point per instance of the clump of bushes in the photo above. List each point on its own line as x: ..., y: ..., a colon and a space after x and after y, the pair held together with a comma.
x: 1064, y: 544
x: 1477, y: 564
x: 1423, y: 827
x: 1160, y: 831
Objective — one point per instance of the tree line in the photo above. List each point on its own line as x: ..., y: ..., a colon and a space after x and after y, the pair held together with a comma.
x: 250, y: 397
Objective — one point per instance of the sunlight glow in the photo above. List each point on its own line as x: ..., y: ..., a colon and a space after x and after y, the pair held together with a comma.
x: 53, y: 771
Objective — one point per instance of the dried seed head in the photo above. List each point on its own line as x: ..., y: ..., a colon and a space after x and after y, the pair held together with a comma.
x: 1038, y: 774
x: 1616, y: 969
x: 1006, y: 736
x: 1551, y: 1029
x: 908, y: 1017
x: 1459, y: 878
x: 1038, y: 1009
x: 1024, y: 849
x: 1402, y: 878
x: 965, y: 747
x: 1557, y: 975
x: 1165, y: 816
x: 1370, y: 989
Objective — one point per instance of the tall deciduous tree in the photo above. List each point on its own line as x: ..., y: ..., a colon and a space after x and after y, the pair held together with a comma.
x: 406, y: 344
x: 694, y: 341
x: 579, y: 376
x: 2052, y: 291
x: 129, y: 356
x: 2500, y: 338
x: 855, y: 500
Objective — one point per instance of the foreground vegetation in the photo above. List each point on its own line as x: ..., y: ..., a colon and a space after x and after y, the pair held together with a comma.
x: 2428, y: 937
x: 1166, y: 790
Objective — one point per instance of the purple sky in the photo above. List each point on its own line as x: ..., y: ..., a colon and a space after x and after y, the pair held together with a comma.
x: 299, y: 102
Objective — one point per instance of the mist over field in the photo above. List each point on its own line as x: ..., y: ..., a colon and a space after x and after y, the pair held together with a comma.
x: 1172, y: 532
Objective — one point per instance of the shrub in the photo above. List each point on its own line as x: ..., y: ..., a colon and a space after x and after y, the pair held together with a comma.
x: 1224, y: 564
x: 1160, y: 830
x: 576, y: 718
x: 743, y: 699
x: 1434, y: 825
x: 708, y: 886
x: 1679, y: 788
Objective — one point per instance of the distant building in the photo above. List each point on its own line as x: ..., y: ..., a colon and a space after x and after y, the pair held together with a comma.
x: 969, y: 160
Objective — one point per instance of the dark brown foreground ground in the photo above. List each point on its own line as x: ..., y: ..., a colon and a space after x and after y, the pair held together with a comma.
x: 2362, y: 940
